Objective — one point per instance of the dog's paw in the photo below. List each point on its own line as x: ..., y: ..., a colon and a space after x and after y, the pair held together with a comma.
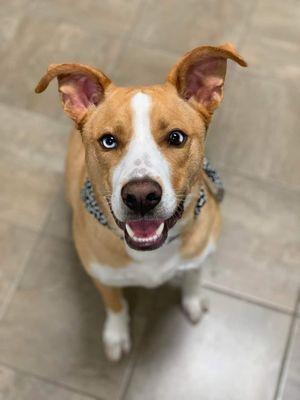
x: 116, y: 345
x: 116, y: 336
x: 194, y: 307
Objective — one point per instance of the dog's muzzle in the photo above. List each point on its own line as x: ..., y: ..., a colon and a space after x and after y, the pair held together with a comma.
x: 145, y: 227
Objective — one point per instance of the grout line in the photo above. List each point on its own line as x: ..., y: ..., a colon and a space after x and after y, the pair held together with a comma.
x: 129, y: 374
x: 49, y: 381
x: 59, y: 121
x: 287, y: 352
x: 40, y: 235
x: 278, y: 184
x: 131, y: 368
x: 163, y: 50
x: 247, y: 25
x: 174, y: 53
x: 8, y: 298
x: 127, y: 37
x: 247, y: 299
x: 20, y: 226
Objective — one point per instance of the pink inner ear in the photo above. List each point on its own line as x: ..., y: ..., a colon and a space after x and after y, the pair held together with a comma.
x: 205, y: 79
x: 79, y: 91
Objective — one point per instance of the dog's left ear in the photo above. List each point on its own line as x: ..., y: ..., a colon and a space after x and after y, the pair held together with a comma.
x: 199, y: 76
x: 80, y: 87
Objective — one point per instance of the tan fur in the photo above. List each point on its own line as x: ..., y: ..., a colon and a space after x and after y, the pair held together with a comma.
x: 112, y: 297
x: 85, y: 158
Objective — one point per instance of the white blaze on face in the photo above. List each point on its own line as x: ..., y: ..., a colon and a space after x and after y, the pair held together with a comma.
x: 143, y: 159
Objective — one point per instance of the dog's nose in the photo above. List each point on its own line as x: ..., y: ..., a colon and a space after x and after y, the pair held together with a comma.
x: 141, y: 195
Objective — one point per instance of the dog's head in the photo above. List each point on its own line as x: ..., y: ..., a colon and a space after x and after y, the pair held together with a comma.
x: 144, y: 146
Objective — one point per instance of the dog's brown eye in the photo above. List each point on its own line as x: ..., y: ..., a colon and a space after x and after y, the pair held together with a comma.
x: 108, y: 141
x: 176, y: 138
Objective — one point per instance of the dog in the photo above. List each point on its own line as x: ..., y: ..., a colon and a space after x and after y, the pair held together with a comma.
x: 144, y: 210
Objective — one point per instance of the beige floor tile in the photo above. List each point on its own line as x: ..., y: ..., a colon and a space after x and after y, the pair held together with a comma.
x: 292, y: 384
x: 142, y: 66
x: 18, y: 386
x: 26, y: 193
x: 59, y: 221
x: 270, y: 57
x: 11, y: 16
x: 258, y: 253
x: 272, y: 41
x: 257, y: 129
x: 277, y: 19
x: 32, y: 151
x: 114, y: 17
x: 31, y: 138
x: 16, y: 244
x: 52, y: 325
x: 45, y: 40
x: 231, y: 354
x: 54, y: 322
x: 180, y: 26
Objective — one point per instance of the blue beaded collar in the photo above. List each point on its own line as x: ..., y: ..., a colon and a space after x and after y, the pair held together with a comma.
x: 91, y: 205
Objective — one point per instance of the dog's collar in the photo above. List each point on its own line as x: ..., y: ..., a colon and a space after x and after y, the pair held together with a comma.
x: 91, y: 205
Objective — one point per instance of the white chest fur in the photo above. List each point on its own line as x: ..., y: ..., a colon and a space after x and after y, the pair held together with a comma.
x: 149, y: 269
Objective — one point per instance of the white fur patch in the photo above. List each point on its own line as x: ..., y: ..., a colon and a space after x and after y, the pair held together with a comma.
x: 150, y: 268
x: 116, y: 337
x: 191, y: 297
x: 143, y: 159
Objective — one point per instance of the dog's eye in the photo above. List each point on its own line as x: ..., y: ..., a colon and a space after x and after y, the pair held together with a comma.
x: 176, y: 138
x: 108, y: 141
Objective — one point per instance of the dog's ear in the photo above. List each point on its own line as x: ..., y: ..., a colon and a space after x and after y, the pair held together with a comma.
x: 80, y: 87
x: 199, y: 76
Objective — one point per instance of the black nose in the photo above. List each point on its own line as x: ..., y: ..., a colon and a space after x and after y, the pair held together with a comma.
x: 141, y: 195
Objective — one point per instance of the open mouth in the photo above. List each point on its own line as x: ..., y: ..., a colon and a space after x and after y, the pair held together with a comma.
x: 145, y: 234
x: 149, y: 234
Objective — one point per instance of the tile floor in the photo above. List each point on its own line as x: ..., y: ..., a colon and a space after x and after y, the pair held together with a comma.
x: 248, y: 345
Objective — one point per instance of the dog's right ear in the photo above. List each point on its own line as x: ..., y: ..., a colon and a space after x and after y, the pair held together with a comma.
x: 80, y: 87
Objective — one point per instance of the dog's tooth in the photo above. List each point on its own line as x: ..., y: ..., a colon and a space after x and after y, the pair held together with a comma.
x: 147, y: 239
x: 159, y: 230
x: 129, y: 231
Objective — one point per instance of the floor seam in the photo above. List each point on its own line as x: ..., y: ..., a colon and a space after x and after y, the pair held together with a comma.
x: 287, y: 352
x: 10, y: 295
x: 127, y: 37
x: 154, y: 47
x: 20, y: 226
x: 278, y: 184
x: 131, y: 370
x: 247, y: 25
x: 248, y: 299
x: 59, y: 121
x: 131, y: 367
x: 50, y: 381
x: 40, y: 235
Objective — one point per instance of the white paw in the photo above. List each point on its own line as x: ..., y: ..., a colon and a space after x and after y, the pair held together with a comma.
x: 194, y: 308
x: 116, y: 345
x: 116, y: 336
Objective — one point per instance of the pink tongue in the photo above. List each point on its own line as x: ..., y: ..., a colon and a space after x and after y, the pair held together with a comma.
x: 144, y: 228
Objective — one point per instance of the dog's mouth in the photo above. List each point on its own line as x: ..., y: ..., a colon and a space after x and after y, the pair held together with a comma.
x: 149, y: 234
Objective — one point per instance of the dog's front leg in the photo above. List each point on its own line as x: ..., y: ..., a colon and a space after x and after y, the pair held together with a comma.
x: 115, y: 335
x: 192, y: 302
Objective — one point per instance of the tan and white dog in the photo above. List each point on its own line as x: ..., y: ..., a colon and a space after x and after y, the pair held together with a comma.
x: 142, y: 149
